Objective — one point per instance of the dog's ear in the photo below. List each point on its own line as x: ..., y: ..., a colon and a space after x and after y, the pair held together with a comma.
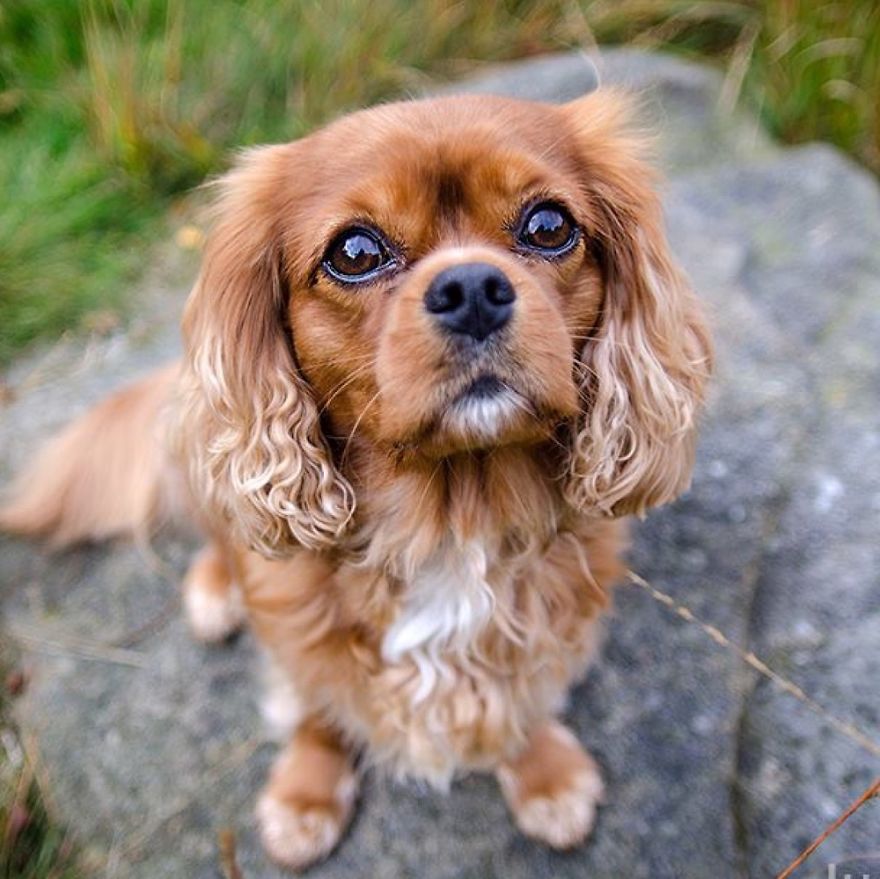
x: 256, y: 455
x: 647, y: 361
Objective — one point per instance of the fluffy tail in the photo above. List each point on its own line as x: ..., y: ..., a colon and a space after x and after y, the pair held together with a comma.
x: 107, y: 473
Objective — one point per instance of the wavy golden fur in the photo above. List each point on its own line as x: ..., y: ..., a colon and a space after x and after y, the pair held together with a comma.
x: 422, y: 516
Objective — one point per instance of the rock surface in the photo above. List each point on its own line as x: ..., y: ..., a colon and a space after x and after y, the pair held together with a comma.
x: 152, y: 743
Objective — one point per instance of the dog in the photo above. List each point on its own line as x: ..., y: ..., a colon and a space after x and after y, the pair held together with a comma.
x: 437, y: 353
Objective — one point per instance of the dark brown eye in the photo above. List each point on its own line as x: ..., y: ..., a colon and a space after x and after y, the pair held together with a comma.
x: 548, y: 228
x: 356, y: 255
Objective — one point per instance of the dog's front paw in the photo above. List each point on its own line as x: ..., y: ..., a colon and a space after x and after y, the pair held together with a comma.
x: 553, y: 788
x: 309, y: 799
x: 212, y: 602
x: 298, y: 833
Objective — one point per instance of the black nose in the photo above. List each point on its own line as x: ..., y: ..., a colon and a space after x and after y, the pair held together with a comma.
x: 474, y: 299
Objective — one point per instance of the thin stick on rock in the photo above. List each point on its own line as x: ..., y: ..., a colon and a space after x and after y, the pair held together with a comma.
x: 869, y: 794
x: 228, y: 861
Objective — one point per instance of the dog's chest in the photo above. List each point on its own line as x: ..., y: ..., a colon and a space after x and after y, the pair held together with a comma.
x: 447, y: 603
x: 467, y: 664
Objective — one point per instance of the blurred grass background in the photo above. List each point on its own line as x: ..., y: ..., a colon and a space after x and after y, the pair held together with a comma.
x: 112, y: 110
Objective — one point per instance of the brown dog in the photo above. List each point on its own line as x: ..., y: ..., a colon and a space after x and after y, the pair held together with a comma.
x: 436, y: 351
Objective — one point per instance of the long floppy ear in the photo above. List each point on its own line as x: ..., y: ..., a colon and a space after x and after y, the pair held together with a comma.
x: 249, y: 427
x: 646, y: 364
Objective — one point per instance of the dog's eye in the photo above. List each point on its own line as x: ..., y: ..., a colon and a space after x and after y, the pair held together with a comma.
x: 356, y: 255
x: 548, y: 228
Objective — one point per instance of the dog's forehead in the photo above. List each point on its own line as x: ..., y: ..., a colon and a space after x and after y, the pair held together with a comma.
x: 439, y: 155
x: 448, y: 123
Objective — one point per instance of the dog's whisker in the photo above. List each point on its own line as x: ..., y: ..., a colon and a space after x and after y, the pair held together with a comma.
x: 345, y: 383
x: 342, y: 362
x: 420, y: 503
x: 357, y: 424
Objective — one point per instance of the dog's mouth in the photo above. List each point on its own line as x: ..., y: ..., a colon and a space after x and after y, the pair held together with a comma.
x: 486, y: 411
x: 485, y: 386
x: 481, y: 406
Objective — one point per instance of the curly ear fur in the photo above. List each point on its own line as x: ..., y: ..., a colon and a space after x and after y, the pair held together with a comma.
x: 646, y: 366
x: 249, y: 426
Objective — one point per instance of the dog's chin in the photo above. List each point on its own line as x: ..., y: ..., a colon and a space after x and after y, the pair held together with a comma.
x: 489, y: 413
x: 484, y: 412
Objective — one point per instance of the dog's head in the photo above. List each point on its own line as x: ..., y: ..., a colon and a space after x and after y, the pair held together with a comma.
x: 433, y: 277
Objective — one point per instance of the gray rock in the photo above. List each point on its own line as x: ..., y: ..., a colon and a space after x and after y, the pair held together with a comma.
x: 683, y: 101
x: 816, y: 609
x: 152, y: 743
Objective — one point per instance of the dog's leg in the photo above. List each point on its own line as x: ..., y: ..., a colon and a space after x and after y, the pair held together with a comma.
x: 282, y: 707
x: 308, y: 801
x: 211, y: 598
x: 553, y: 787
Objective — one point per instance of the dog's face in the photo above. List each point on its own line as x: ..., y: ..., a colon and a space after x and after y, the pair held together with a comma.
x: 434, y: 277
x: 448, y: 277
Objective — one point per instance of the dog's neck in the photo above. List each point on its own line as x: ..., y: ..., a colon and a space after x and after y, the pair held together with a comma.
x: 507, y: 499
x: 451, y: 536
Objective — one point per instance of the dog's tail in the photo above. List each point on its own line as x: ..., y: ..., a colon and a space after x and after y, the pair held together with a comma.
x: 107, y: 473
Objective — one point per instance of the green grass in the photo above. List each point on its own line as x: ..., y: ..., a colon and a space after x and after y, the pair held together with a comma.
x: 31, y: 846
x: 109, y: 109
x: 70, y: 235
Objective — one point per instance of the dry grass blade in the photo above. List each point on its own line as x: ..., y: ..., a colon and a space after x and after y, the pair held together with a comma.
x: 77, y: 648
x: 134, y: 845
x: 872, y: 792
x: 845, y: 727
x: 738, y: 67
x: 228, y: 860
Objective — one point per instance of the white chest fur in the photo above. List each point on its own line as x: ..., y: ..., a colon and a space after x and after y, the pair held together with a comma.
x: 447, y: 604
